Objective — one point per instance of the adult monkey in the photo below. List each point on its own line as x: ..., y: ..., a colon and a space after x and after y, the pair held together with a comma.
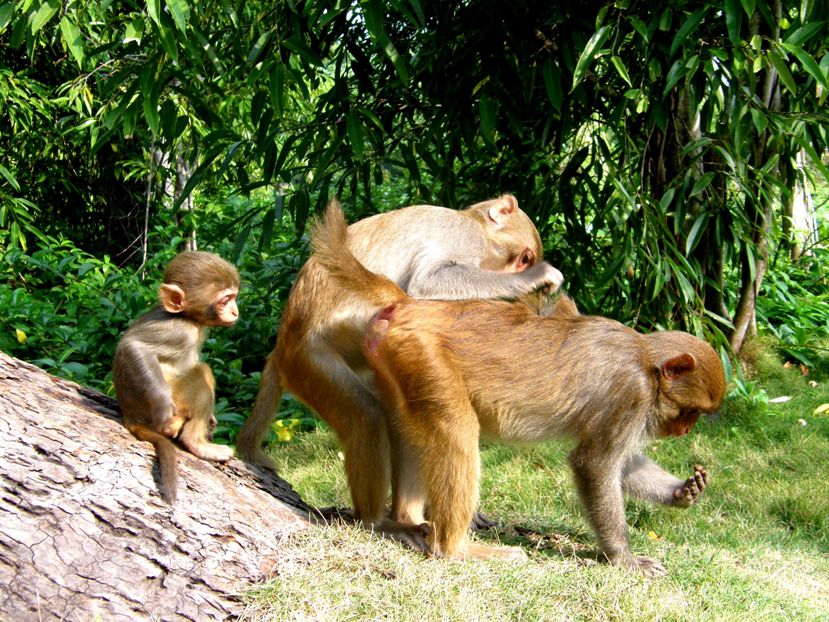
x: 450, y: 372
x: 490, y: 250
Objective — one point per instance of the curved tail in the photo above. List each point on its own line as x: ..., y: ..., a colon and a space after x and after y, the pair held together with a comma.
x: 329, y: 242
x: 166, y: 453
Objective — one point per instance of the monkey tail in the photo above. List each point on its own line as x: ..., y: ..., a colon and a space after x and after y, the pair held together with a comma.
x: 329, y: 242
x: 166, y: 453
x: 249, y: 441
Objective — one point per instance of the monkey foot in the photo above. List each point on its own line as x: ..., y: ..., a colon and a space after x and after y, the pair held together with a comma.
x: 646, y: 565
x: 211, y: 451
x: 479, y: 521
x: 415, y: 537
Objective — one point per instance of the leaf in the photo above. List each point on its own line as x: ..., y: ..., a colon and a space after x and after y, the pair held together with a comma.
x: 733, y: 19
x: 134, y: 31
x: 696, y: 232
x: 45, y: 12
x: 298, y: 45
x: 821, y: 409
x: 4, y: 172
x: 804, y: 33
x: 667, y: 199
x: 780, y: 400
x: 277, y: 88
x: 487, y: 112
x: 675, y: 74
x: 154, y: 11
x: 373, y: 14
x: 808, y: 63
x: 684, y: 285
x: 620, y: 68
x: 6, y: 12
x: 398, y: 61
x: 552, y: 83
x: 689, y: 26
x: 149, y: 100
x: 72, y: 38
x: 702, y: 183
x: 180, y: 11
x: 782, y: 70
x: 355, y: 135
x: 590, y: 50
x: 256, y: 50
x: 22, y: 337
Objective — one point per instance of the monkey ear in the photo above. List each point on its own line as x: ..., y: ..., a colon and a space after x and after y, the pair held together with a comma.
x: 679, y: 365
x: 502, y: 209
x: 172, y: 298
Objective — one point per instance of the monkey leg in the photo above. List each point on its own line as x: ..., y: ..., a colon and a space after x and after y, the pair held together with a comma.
x: 322, y: 379
x: 195, y: 392
x: 438, y: 429
x: 249, y: 441
x: 408, y: 489
x: 598, y: 476
x: 409, y: 492
x: 644, y: 479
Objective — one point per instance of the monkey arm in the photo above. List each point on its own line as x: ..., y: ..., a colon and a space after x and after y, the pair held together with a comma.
x: 138, y: 374
x: 644, y: 479
x: 463, y: 281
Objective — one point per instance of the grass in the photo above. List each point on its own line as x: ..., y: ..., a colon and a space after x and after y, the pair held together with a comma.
x: 755, y: 548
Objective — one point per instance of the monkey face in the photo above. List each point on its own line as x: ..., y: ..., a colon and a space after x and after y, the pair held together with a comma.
x: 224, y: 311
x: 681, y: 424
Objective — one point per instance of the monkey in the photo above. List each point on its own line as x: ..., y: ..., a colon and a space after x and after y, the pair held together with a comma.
x: 164, y: 392
x: 490, y: 250
x: 451, y: 372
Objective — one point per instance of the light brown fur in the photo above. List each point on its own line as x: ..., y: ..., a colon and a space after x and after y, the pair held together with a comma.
x: 489, y: 250
x: 453, y: 372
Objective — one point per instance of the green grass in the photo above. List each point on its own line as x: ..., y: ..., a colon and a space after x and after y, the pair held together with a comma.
x: 755, y: 548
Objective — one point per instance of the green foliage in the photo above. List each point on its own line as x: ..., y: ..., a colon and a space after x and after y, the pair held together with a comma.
x: 64, y: 309
x: 794, y: 307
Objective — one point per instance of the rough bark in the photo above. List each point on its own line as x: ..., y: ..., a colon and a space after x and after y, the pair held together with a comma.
x: 84, y: 533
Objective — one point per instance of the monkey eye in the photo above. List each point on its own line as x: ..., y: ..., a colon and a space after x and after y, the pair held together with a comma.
x: 526, y: 259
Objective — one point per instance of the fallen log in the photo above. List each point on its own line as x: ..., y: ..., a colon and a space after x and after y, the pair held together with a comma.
x: 84, y: 533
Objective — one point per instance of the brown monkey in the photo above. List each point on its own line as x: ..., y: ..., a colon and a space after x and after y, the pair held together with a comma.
x: 163, y: 390
x: 489, y: 250
x: 452, y: 372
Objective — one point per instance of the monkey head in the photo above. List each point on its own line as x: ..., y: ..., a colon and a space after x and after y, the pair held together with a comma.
x: 691, y: 380
x: 202, y: 287
x: 514, y: 240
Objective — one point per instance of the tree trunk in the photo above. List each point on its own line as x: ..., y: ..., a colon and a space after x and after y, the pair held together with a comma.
x: 84, y: 533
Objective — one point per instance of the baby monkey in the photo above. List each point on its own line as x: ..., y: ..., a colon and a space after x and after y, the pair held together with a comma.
x: 163, y: 390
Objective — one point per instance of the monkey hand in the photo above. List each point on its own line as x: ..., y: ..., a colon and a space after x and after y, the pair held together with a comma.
x: 686, y: 495
x: 168, y: 419
x: 545, y: 277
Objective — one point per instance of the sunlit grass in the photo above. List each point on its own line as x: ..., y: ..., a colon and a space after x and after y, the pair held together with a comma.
x: 755, y: 548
